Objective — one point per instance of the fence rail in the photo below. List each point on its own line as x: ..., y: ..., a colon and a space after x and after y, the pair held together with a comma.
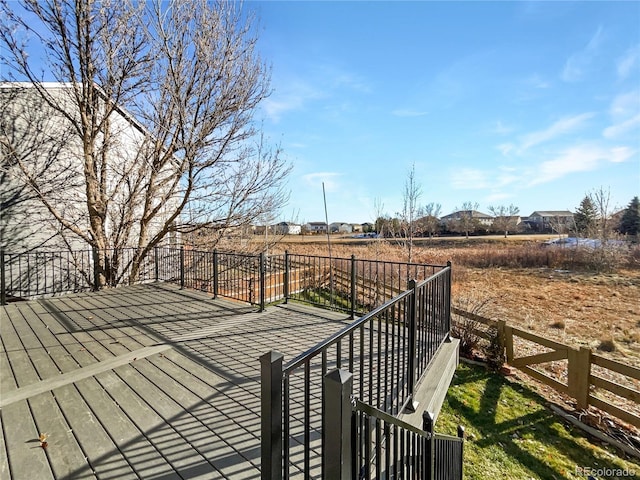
x: 585, y: 381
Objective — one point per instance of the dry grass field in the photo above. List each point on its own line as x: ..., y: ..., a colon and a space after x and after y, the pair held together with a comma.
x: 525, y: 283
x: 578, y: 298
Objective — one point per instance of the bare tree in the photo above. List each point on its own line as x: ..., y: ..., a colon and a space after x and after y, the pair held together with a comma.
x: 429, y: 220
x: 410, y: 209
x: 505, y: 218
x: 466, y: 221
x: 601, y: 201
x: 186, y: 75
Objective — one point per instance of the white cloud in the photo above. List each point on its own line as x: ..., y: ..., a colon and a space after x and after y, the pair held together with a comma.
x: 581, y: 158
x: 625, y: 105
x: 628, y: 62
x: 501, y: 129
x: 619, y: 129
x: 497, y: 197
x: 294, y: 97
x: 563, y: 126
x: 469, y: 179
x: 536, y: 81
x: 405, y: 112
x: 318, y: 178
x: 475, y: 179
x: 506, y: 148
x: 577, y: 64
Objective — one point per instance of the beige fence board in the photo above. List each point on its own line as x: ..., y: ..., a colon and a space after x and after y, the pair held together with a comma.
x: 539, y: 358
x: 615, y: 411
x: 552, y: 382
x: 538, y: 339
x: 618, y: 367
x: 620, y: 390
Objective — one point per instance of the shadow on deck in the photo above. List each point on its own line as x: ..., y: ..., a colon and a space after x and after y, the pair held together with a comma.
x: 145, y: 381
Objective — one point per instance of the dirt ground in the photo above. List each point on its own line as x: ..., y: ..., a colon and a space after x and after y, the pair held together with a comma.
x: 577, y: 309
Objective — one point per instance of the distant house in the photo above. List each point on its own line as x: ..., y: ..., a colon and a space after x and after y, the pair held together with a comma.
x: 356, y: 227
x: 340, y: 227
x: 557, y: 221
x: 286, y: 228
x: 368, y: 227
x: 481, y: 218
x: 316, y: 227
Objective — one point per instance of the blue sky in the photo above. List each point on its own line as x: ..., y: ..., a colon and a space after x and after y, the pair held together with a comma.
x: 525, y: 103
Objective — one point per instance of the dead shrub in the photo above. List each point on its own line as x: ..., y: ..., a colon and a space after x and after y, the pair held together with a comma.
x: 607, y: 344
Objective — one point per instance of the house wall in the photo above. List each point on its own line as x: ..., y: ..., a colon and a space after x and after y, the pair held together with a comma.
x: 50, y: 150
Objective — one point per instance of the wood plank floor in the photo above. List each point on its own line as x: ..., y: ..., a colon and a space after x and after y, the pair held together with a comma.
x: 147, y: 382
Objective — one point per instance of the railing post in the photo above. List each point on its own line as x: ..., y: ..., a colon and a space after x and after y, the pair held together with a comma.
x: 96, y: 268
x: 353, y: 287
x: 447, y: 299
x: 579, y: 371
x: 3, y: 282
x: 215, y: 273
x: 461, y: 437
x: 411, y: 360
x: 262, y: 286
x: 428, y: 420
x: 338, y: 387
x: 286, y: 277
x: 181, y: 267
x: 271, y: 416
x: 156, y: 264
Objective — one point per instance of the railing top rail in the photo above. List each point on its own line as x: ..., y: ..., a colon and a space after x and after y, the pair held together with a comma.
x: 369, y: 260
x: 45, y: 252
x: 434, y: 276
x: 388, y: 418
x: 313, y: 351
x: 449, y: 438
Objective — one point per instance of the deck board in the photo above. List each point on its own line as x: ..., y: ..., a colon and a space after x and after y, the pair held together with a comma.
x: 69, y: 366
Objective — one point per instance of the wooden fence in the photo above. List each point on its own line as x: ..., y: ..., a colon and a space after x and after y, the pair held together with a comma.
x: 583, y: 382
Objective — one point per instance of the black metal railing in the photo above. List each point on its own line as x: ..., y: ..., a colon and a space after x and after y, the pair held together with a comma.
x: 32, y: 274
x: 349, y: 284
x: 386, y: 350
x: 386, y: 448
x: 352, y: 285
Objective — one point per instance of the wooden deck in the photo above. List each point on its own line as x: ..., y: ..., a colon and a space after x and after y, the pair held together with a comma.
x: 147, y: 382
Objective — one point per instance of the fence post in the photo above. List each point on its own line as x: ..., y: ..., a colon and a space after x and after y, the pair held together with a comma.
x: 286, y: 276
x: 181, y: 267
x: 428, y: 420
x: 262, y: 286
x: 579, y: 365
x: 411, y: 360
x: 508, y: 342
x: 501, y: 325
x: 3, y: 282
x: 338, y: 387
x: 156, y: 265
x: 215, y: 273
x: 353, y: 287
x: 271, y: 415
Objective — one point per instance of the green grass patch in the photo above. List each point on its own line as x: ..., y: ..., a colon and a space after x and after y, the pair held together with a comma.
x: 511, y: 434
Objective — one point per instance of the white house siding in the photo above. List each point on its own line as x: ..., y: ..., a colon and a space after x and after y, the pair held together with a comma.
x: 40, y: 134
x: 48, y: 147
